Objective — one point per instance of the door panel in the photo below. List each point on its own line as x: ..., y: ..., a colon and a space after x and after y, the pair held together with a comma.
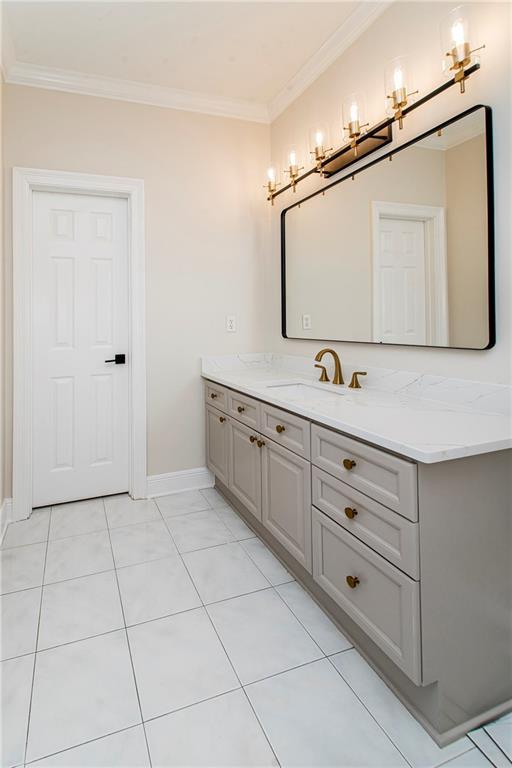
x: 217, y: 444
x: 245, y: 466
x: 400, y: 277
x: 80, y: 319
x: 286, y: 507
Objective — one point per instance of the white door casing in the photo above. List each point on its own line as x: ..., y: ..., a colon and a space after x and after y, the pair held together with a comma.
x: 80, y: 320
x: 410, y: 283
x: 108, y: 192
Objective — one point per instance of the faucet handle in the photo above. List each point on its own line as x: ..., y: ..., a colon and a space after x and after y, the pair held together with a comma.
x: 354, y: 381
x: 323, y: 375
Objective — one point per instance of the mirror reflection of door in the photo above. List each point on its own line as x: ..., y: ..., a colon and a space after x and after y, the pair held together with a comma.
x: 409, y: 274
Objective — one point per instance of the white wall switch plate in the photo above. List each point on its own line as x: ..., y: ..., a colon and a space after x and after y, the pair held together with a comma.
x: 231, y: 323
x: 306, y: 322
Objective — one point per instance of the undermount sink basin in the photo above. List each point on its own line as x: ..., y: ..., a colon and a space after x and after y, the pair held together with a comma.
x: 304, y: 392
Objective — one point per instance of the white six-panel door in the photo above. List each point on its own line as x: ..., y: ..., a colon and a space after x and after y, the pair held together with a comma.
x: 400, y: 282
x: 80, y: 319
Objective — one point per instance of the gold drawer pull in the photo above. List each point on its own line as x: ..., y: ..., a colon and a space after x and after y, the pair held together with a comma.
x: 350, y: 512
x: 240, y: 409
x: 261, y: 443
x: 222, y: 419
x: 352, y: 581
x: 213, y: 395
x: 349, y: 463
x: 252, y: 439
x: 280, y: 428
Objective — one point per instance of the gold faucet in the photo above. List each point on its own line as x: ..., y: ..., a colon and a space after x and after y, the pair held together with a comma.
x: 338, y: 376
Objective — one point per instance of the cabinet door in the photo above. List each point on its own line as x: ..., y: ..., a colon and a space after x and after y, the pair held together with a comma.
x: 217, y: 444
x: 245, y: 466
x: 286, y: 506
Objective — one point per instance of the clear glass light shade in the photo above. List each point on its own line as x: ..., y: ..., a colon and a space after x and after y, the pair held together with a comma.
x: 354, y: 115
x: 397, y: 83
x: 319, y: 141
x: 273, y: 176
x: 455, y: 39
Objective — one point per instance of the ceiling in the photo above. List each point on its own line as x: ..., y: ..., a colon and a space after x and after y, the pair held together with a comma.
x: 257, y: 55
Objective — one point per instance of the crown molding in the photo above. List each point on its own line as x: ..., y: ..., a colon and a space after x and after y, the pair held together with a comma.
x: 19, y: 73
x: 359, y: 20
x: 36, y: 76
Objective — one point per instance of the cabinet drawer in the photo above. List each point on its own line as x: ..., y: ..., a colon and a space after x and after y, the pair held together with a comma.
x: 216, y: 395
x: 378, y: 474
x: 286, y: 429
x: 244, y: 409
x: 384, y: 601
x: 389, y: 534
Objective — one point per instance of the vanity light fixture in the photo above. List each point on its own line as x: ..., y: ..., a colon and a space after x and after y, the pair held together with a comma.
x: 353, y: 119
x: 293, y: 169
x: 456, y: 46
x: 272, y: 182
x: 396, y: 88
x: 317, y: 142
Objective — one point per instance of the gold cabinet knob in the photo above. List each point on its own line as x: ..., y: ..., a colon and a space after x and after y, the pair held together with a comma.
x: 222, y: 419
x: 280, y: 428
x: 349, y: 463
x: 350, y: 512
x: 252, y: 439
x: 240, y: 409
x: 261, y: 443
x: 213, y: 395
x: 352, y: 581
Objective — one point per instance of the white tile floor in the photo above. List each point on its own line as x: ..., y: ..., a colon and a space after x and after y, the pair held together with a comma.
x: 143, y: 633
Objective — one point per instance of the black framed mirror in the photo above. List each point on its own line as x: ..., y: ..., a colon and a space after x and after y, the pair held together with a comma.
x: 401, y: 251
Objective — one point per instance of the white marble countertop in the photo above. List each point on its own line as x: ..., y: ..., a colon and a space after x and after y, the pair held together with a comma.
x: 425, y: 418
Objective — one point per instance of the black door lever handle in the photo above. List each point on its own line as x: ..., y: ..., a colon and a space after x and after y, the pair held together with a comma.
x: 118, y: 360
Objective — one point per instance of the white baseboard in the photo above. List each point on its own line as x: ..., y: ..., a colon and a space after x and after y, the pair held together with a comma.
x: 5, y: 516
x: 175, y: 482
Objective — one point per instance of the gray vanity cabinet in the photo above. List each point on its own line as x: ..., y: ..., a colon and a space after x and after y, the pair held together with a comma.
x: 217, y: 443
x: 286, y: 507
x: 412, y: 559
x: 245, y: 466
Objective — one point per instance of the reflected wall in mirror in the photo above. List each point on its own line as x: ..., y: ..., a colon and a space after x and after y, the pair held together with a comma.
x: 403, y: 253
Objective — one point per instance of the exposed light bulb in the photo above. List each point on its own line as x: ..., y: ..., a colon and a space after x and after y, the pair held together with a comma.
x: 271, y: 175
x: 292, y: 157
x: 398, y: 78
x: 319, y: 139
x: 458, y: 33
x: 354, y: 113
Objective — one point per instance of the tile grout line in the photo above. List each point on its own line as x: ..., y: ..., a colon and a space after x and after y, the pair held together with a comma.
x: 128, y: 640
x: 82, y: 744
x: 484, y: 727
x: 482, y: 750
x: 455, y: 757
x: 329, y: 659
x: 227, y: 655
x: 37, y: 642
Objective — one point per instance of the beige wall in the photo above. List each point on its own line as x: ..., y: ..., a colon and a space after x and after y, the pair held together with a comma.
x: 2, y: 330
x: 410, y: 28
x: 467, y: 240
x: 205, y: 232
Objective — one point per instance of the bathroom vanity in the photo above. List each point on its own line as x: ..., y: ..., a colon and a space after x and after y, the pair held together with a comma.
x: 392, y: 505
